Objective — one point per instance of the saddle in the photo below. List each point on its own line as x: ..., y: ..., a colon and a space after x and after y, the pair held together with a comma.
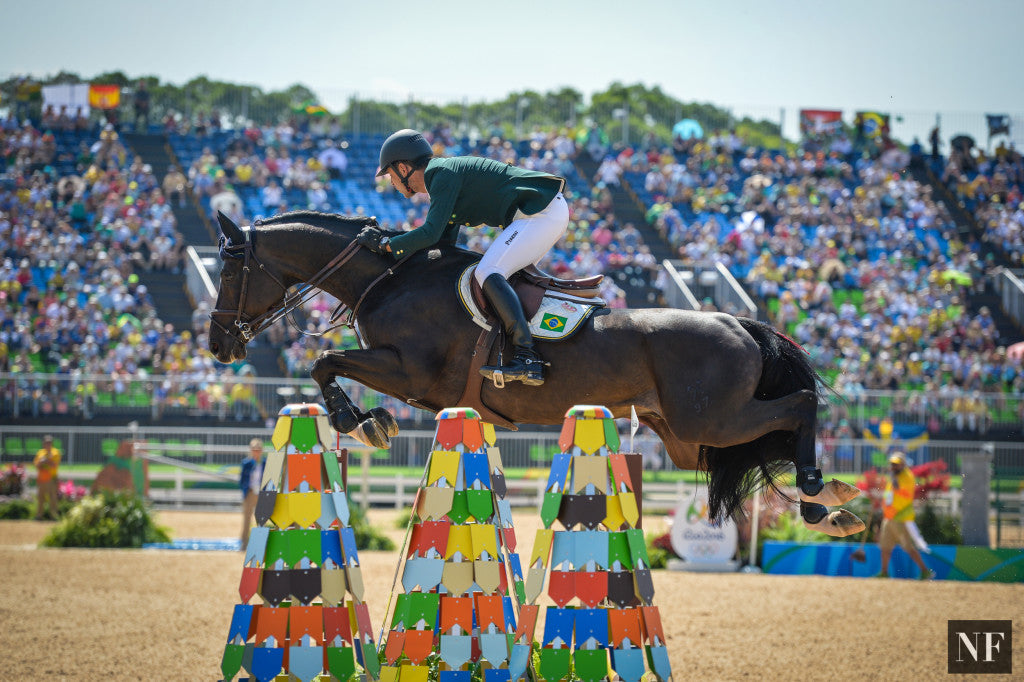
x: 532, y: 286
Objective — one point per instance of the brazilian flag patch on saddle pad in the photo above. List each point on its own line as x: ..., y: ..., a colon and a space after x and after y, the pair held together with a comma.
x: 559, y: 316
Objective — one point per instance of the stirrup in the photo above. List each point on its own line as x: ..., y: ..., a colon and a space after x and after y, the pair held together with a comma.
x: 533, y: 366
x: 526, y: 366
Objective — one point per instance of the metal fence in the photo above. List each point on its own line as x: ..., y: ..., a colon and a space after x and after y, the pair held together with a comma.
x: 207, y: 399
x: 206, y: 461
x: 224, y: 446
x: 210, y: 401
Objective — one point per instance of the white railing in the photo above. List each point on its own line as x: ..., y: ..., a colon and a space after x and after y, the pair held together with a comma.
x: 1011, y: 290
x: 729, y: 291
x: 678, y: 293
x: 706, y: 279
x: 198, y: 282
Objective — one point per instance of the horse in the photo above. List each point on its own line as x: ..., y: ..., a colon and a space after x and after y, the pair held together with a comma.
x: 727, y: 395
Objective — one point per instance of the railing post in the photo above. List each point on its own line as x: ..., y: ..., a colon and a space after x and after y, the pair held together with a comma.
x: 179, y: 488
x: 399, y: 491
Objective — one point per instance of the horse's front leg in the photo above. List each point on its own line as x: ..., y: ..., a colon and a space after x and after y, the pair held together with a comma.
x: 374, y: 368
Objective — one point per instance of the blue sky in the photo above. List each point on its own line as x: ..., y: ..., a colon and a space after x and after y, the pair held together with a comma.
x: 915, y: 56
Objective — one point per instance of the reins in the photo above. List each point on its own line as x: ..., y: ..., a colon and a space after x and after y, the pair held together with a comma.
x: 247, y: 329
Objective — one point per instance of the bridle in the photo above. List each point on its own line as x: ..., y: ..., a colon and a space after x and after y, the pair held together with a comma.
x: 244, y: 328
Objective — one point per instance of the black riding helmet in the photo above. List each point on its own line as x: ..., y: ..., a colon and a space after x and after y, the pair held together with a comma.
x: 406, y: 145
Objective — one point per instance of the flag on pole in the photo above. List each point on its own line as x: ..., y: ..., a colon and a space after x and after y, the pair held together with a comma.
x: 634, y: 426
x: 104, y: 96
x: 998, y: 123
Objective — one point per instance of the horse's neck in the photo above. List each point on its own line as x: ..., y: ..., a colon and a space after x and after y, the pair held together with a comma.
x: 302, y: 253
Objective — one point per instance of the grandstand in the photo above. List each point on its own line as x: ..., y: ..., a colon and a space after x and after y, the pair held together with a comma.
x: 894, y: 271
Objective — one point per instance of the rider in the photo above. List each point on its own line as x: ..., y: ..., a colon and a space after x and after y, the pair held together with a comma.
x: 470, y: 190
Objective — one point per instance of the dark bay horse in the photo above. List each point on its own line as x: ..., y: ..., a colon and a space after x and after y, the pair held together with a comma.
x: 724, y: 394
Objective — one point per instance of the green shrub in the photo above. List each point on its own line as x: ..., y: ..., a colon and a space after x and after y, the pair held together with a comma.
x: 403, y: 520
x: 658, y: 550
x: 938, y: 529
x: 16, y: 509
x: 367, y: 537
x: 107, y: 520
x: 789, y: 527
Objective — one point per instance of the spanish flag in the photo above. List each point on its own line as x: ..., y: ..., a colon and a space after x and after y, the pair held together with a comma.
x: 104, y: 96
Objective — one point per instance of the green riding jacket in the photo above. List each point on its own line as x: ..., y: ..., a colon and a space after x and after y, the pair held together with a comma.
x: 471, y: 190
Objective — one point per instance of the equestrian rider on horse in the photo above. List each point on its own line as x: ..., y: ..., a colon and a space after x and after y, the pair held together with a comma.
x: 466, y: 191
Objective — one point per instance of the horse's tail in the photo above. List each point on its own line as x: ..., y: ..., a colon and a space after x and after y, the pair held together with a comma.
x: 735, y: 472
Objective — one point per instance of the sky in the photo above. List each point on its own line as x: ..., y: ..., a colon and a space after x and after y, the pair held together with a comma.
x: 912, y: 56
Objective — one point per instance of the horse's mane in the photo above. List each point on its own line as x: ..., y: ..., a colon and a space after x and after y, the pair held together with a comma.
x: 328, y: 221
x: 333, y: 221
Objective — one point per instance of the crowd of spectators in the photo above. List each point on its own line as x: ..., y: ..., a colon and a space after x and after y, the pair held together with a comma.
x: 991, y: 186
x: 72, y: 246
x: 858, y: 262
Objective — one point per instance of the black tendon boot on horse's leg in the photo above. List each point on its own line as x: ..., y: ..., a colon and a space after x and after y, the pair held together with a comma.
x: 815, y: 495
x: 526, y: 365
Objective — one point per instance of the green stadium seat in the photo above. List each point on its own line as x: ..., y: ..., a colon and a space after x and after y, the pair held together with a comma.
x: 194, y: 448
x: 108, y: 446
x: 33, y: 444
x: 540, y: 454
x: 14, y: 446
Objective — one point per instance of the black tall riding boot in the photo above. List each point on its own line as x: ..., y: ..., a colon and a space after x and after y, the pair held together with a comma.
x: 526, y: 366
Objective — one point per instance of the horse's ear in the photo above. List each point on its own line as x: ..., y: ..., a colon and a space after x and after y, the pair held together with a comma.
x: 232, y: 232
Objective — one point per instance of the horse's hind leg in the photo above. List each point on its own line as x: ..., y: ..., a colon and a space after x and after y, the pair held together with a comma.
x: 797, y: 413
x: 816, y: 496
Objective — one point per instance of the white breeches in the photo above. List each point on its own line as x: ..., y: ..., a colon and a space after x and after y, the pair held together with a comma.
x: 525, y: 241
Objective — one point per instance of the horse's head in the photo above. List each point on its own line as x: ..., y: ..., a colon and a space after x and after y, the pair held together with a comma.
x: 248, y: 292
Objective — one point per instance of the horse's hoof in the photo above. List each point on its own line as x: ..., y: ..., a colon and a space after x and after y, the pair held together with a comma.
x: 838, y: 524
x: 834, y: 493
x: 385, y: 420
x: 370, y: 432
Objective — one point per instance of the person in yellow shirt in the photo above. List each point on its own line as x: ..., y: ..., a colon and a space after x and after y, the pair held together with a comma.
x: 46, y: 462
x: 898, y: 510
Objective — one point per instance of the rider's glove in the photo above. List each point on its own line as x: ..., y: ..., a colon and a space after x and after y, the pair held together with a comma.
x: 374, y: 240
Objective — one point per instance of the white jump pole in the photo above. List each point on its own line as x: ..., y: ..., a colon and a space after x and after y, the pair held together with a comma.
x: 755, y: 517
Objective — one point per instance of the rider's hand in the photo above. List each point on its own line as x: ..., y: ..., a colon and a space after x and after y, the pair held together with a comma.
x: 374, y: 240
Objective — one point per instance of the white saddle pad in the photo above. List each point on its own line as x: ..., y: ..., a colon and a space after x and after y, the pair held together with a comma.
x: 558, y: 317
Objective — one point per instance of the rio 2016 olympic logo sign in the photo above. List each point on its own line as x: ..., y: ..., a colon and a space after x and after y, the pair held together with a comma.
x: 695, y: 538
